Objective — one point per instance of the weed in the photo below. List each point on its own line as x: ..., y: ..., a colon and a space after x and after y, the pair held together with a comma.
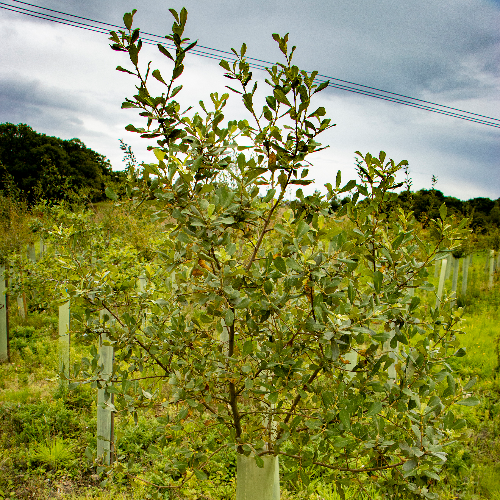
x: 55, y: 453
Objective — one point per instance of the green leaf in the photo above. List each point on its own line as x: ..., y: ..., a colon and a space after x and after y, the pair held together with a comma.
x: 328, y: 399
x: 200, y: 475
x: 415, y: 301
x: 242, y: 303
x: 229, y: 318
x: 273, y: 397
x: 377, y: 281
x: 341, y: 442
x: 321, y: 86
x: 282, y: 179
x: 131, y: 128
x: 470, y: 401
x: 176, y: 16
x: 443, y: 211
x: 460, y: 353
x: 111, y: 194
x: 280, y: 264
x: 269, y: 196
x: 127, y: 20
x: 175, y: 91
x: 165, y: 52
x: 271, y: 102
x: 281, y: 97
x: 374, y: 409
x: 338, y: 179
x: 345, y: 419
x: 259, y: 462
x: 351, y: 292
x: 247, y: 348
x: 224, y: 64
x: 156, y: 73
x: 177, y: 71
x: 190, y: 46
x: 302, y: 229
x: 397, y: 241
x: 302, y: 182
x: 252, y: 173
x: 348, y: 186
x: 409, y: 465
x: 119, y: 68
x: 470, y: 384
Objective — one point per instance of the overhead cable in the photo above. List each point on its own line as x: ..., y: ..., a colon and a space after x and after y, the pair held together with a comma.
x: 102, y: 27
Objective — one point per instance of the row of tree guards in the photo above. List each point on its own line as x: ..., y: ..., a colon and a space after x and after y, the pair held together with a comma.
x: 445, y: 269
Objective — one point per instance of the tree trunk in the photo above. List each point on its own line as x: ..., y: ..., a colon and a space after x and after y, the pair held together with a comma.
x: 255, y: 483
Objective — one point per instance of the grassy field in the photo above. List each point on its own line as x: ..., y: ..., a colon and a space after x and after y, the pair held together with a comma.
x: 47, y: 435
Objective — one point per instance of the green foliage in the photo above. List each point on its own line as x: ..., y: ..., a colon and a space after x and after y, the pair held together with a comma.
x: 15, y: 225
x: 39, y: 421
x: 55, y: 453
x: 46, y: 167
x: 276, y: 327
x: 264, y: 327
x: 469, y: 471
x: 484, y: 213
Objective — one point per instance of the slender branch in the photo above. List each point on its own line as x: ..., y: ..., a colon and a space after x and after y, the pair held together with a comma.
x: 158, y: 362
x: 266, y: 224
x: 233, y: 397
x: 342, y: 469
x: 296, y: 402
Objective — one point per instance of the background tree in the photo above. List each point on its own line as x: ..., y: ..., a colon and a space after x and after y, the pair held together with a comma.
x: 48, y: 167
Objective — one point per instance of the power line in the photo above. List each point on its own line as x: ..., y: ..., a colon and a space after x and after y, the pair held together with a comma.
x: 211, y: 53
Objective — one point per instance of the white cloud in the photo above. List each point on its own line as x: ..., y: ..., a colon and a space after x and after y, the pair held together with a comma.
x: 62, y: 81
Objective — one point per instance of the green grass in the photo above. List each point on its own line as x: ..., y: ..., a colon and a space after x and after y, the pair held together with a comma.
x: 44, y: 431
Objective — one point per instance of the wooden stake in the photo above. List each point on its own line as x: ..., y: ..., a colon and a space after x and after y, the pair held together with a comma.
x: 4, y: 318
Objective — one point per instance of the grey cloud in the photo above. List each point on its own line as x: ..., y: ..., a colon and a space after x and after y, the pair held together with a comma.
x: 406, y: 47
x: 444, y: 51
x: 16, y: 92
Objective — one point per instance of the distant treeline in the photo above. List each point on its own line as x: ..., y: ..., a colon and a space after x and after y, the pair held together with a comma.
x: 37, y: 166
x: 484, y: 214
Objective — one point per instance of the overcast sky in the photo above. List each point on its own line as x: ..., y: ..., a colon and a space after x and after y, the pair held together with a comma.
x: 62, y: 81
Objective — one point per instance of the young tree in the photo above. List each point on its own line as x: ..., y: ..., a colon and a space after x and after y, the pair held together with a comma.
x: 288, y: 334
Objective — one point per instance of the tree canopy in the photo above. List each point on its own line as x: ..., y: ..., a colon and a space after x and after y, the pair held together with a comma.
x: 41, y: 166
x: 484, y: 214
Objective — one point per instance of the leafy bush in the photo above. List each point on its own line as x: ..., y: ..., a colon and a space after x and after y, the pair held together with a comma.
x: 39, y: 421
